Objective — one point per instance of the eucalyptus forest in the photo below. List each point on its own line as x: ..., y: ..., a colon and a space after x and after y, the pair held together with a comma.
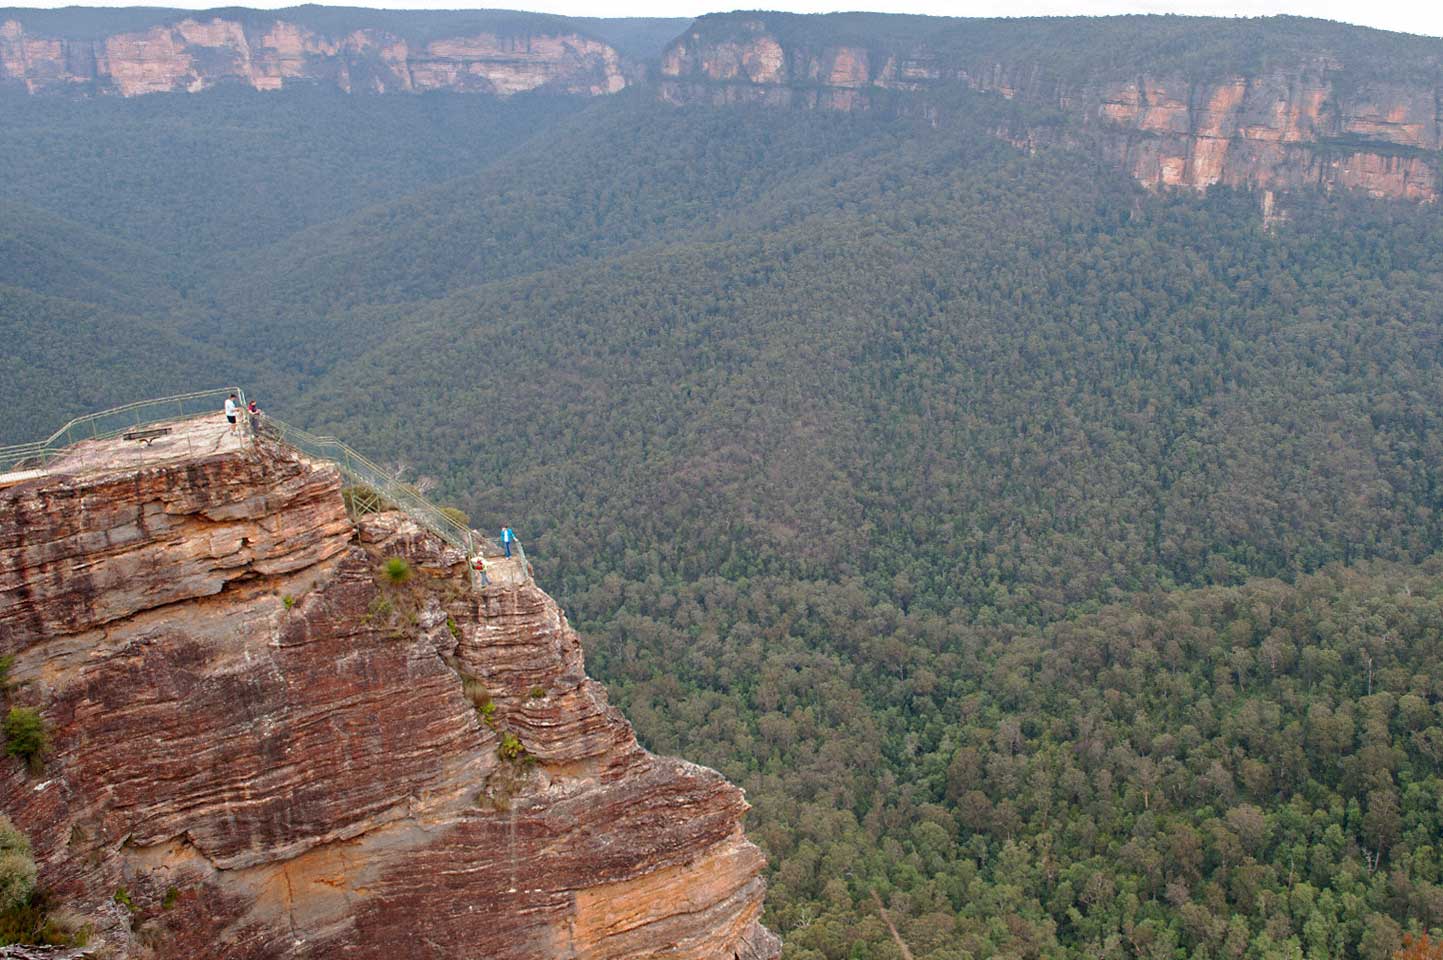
x: 1055, y: 562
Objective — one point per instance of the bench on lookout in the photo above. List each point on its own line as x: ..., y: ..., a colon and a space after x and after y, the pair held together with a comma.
x: 147, y: 436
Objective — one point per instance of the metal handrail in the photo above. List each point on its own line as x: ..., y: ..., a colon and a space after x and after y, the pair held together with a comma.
x: 353, y: 465
x: 37, y: 454
x: 359, y: 469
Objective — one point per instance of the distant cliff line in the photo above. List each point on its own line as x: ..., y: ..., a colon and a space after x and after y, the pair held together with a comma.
x: 1298, y: 121
x: 197, y: 53
x: 1286, y: 104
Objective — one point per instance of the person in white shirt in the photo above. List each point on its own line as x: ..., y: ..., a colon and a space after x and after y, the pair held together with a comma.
x: 232, y: 410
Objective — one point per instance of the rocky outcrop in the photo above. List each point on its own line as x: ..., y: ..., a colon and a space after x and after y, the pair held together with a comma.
x: 194, y: 54
x: 1285, y: 129
x: 1304, y: 120
x: 265, y: 748
x: 1302, y: 125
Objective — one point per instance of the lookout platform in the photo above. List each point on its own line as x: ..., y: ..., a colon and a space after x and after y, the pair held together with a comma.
x: 197, y: 436
x: 191, y: 426
x: 185, y: 438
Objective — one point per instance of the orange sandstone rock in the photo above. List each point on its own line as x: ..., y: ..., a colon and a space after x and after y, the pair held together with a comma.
x: 247, y: 717
x: 1288, y: 128
x: 195, y: 54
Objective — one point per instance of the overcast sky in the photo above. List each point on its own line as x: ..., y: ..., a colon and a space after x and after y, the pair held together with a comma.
x: 1409, y: 16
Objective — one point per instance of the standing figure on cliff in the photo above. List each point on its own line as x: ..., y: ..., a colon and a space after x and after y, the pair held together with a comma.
x: 507, y: 537
x: 479, y: 565
x: 232, y: 409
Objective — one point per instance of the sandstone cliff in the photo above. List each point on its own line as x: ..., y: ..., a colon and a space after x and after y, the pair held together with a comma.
x: 193, y: 54
x: 1304, y: 122
x: 1317, y: 112
x: 276, y: 751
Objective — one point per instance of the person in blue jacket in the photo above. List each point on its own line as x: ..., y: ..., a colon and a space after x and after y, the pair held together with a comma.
x: 507, y: 536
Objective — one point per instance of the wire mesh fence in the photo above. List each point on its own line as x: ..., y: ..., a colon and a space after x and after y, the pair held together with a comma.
x: 114, y: 422
x: 374, y: 488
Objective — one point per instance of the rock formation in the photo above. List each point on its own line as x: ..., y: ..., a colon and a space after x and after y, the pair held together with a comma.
x: 1305, y: 119
x: 1289, y: 127
x: 275, y: 750
x: 194, y: 54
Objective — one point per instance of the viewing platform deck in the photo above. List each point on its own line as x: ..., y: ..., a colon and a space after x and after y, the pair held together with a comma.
x: 195, y: 436
x: 151, y: 433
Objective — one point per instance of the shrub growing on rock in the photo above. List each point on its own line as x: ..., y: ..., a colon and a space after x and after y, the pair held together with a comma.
x: 17, y: 867
x: 511, y: 748
x: 25, y: 735
x: 396, y: 570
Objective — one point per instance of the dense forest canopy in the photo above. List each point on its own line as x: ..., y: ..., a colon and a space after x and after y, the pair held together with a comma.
x: 1056, y: 560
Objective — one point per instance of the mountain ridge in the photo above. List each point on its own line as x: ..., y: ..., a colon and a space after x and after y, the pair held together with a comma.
x: 494, y: 52
x: 1311, y: 114
x: 1273, y: 104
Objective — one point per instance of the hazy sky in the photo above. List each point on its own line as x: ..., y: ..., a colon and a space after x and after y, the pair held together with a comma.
x: 1410, y: 16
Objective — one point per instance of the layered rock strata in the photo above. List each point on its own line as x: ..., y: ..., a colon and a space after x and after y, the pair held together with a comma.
x: 194, y: 54
x: 276, y: 751
x: 1290, y: 127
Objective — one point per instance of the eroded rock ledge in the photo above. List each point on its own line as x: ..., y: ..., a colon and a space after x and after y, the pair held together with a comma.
x: 196, y: 53
x: 1297, y: 124
x: 277, y: 752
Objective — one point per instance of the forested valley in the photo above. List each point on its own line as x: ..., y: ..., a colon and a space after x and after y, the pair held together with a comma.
x: 1055, y: 560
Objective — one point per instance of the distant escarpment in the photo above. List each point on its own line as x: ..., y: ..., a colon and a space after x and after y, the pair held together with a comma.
x: 195, y: 53
x: 271, y: 738
x: 1298, y: 117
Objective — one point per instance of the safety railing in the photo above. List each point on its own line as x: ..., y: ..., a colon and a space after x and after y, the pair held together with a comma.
x: 386, y: 490
x: 39, y: 454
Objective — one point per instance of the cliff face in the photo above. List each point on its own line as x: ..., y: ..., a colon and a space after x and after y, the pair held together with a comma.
x: 1286, y: 128
x: 278, y: 752
x: 193, y: 54
x: 1302, y: 121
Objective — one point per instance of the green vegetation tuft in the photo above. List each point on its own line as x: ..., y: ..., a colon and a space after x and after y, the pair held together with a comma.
x: 511, y: 748
x: 396, y: 570
x: 17, y: 868
x: 475, y: 691
x: 26, y: 736
x: 26, y: 915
